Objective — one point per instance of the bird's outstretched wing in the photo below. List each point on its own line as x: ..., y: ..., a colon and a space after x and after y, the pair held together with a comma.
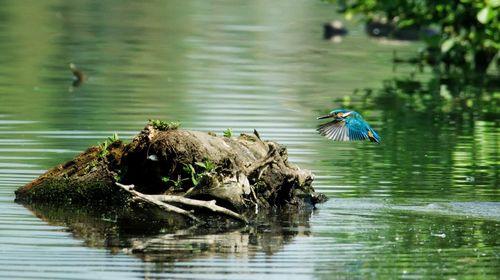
x: 335, y: 130
x: 348, y: 129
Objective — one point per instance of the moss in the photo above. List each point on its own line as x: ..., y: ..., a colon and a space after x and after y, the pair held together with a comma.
x: 73, y: 191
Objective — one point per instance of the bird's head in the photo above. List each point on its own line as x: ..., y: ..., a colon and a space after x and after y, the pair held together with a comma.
x: 337, y: 114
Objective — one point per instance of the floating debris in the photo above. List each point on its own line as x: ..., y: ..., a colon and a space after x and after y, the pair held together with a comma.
x: 78, y: 76
x: 334, y: 30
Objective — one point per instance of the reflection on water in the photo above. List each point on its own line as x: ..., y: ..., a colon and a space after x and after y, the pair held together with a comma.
x: 438, y: 240
x: 155, y: 241
x: 422, y: 204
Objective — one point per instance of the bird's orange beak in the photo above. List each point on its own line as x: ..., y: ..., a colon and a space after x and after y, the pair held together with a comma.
x: 326, y: 116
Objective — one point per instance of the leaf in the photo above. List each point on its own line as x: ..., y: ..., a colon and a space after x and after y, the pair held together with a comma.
x: 188, y: 168
x: 209, y: 165
x: 114, y: 138
x: 201, y: 164
x: 447, y: 45
x: 193, y: 179
x: 493, y: 3
x: 485, y: 15
x: 406, y: 23
x: 348, y: 15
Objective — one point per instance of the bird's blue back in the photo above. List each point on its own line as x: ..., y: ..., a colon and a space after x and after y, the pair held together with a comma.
x: 358, y: 127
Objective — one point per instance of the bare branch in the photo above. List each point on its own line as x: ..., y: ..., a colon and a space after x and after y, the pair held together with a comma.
x: 163, y: 200
x: 268, y: 158
x: 151, y: 200
x: 210, y: 205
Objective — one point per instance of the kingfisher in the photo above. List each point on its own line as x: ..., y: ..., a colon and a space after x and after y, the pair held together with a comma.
x: 347, y: 126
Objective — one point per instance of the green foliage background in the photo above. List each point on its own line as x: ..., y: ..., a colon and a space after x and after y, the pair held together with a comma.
x: 469, y: 30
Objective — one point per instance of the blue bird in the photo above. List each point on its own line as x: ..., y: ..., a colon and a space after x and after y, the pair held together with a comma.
x: 347, y: 126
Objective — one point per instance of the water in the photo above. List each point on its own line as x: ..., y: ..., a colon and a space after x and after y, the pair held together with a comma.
x: 422, y: 204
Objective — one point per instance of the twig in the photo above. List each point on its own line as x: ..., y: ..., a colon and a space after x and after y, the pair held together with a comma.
x: 254, y: 195
x: 154, y: 201
x: 257, y: 134
x: 162, y: 200
x: 210, y: 205
x: 261, y: 172
x: 188, y: 192
x: 268, y: 158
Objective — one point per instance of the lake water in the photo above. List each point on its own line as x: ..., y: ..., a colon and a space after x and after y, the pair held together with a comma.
x: 425, y: 203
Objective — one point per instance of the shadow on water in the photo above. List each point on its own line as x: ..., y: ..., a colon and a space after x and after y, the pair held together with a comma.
x: 156, y: 240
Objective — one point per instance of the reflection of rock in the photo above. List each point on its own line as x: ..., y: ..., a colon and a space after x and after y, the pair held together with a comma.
x: 125, y: 232
x: 268, y: 236
x: 334, y: 30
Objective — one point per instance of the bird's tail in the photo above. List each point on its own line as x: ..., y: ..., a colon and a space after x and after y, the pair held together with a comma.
x: 373, y: 136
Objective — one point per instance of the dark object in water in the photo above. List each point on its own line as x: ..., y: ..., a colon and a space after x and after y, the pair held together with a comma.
x: 333, y: 30
x: 78, y: 76
x: 383, y: 28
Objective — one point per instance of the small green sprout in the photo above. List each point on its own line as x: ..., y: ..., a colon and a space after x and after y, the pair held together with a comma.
x: 177, y: 184
x: 207, y: 165
x: 120, y: 174
x: 105, y: 145
x: 104, y: 149
x: 204, y: 168
x: 228, y: 133
x: 113, y: 138
x: 188, y: 168
x: 163, y: 125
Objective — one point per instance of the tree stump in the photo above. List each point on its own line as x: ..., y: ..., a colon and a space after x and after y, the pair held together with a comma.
x: 233, y: 174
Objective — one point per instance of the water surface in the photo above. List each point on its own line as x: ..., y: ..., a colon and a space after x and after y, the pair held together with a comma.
x: 422, y: 204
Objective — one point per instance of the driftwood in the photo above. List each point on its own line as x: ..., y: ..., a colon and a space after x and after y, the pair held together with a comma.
x: 163, y: 200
